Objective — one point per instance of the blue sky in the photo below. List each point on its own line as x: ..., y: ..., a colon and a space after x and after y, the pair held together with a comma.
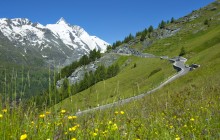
x: 110, y: 20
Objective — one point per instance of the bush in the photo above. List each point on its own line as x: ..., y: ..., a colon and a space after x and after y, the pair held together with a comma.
x: 135, y: 65
x: 206, y: 22
x: 182, y: 51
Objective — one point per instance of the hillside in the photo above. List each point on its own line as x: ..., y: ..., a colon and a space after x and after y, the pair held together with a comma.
x: 194, y: 36
x: 30, y: 50
x: 186, y: 108
x: 191, y: 99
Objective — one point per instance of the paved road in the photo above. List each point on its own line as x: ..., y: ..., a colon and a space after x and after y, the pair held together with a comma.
x: 178, y: 63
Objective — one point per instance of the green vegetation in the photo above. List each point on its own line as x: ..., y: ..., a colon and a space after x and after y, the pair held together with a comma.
x: 206, y: 22
x: 89, y: 80
x: 182, y: 51
x: 130, y: 37
x: 84, y: 60
x: 129, y: 82
x: 187, y: 108
x: 172, y: 20
x: 22, y: 82
x: 162, y: 24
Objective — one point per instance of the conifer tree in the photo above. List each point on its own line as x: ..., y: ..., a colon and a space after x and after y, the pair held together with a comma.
x: 172, y: 20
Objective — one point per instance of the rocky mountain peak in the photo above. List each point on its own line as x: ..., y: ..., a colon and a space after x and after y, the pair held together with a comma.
x: 21, y: 21
x: 60, y: 42
x: 62, y: 21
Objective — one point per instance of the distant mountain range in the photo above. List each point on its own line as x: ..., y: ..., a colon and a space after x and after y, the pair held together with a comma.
x: 21, y: 40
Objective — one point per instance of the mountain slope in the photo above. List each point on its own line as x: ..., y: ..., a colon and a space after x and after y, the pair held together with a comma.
x: 187, y: 108
x: 200, y: 41
x: 61, y: 42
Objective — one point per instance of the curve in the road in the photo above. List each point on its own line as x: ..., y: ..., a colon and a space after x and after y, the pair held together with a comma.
x: 178, y: 63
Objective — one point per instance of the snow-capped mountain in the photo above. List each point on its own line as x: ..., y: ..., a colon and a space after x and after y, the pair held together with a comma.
x: 61, y: 42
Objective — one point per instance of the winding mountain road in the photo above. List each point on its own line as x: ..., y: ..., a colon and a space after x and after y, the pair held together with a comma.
x: 178, y: 63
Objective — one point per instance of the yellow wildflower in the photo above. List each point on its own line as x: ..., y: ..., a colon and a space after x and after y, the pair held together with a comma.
x: 115, y: 127
x: 73, y: 139
x: 171, y: 126
x: 122, y: 112
x: 105, y: 132
x: 185, y: 126
x: 177, y: 137
x: 1, y: 116
x: 110, y: 122
x: 4, y: 110
x: 94, y: 134
x: 72, y: 117
x: 42, y: 116
x: 23, y: 137
x: 192, y: 119
x: 63, y: 111
x: 77, y: 125
x: 73, y: 128
x: 47, y: 113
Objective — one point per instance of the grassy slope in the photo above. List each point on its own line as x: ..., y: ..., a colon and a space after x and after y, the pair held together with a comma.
x: 195, y: 96
x: 129, y: 82
x: 191, y: 35
x: 187, y: 108
x: 194, y: 36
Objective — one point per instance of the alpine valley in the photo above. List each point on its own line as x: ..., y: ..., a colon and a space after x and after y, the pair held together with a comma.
x: 28, y: 50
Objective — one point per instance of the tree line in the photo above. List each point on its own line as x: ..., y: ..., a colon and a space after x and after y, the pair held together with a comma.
x: 90, y: 79
x: 84, y: 60
x: 118, y: 42
x: 53, y: 95
x: 145, y: 33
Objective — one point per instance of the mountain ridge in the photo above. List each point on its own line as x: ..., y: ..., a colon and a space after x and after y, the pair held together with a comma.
x: 59, y: 42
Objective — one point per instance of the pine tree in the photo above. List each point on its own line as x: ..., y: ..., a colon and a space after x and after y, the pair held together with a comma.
x: 84, y: 60
x: 162, y: 24
x: 109, y: 47
x: 128, y: 38
x: 172, y: 20
x: 143, y: 34
x: 142, y: 37
x: 150, y: 29
x: 100, y: 73
x: 138, y: 34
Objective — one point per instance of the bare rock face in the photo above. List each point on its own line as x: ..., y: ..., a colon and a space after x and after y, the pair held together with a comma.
x: 164, y: 33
